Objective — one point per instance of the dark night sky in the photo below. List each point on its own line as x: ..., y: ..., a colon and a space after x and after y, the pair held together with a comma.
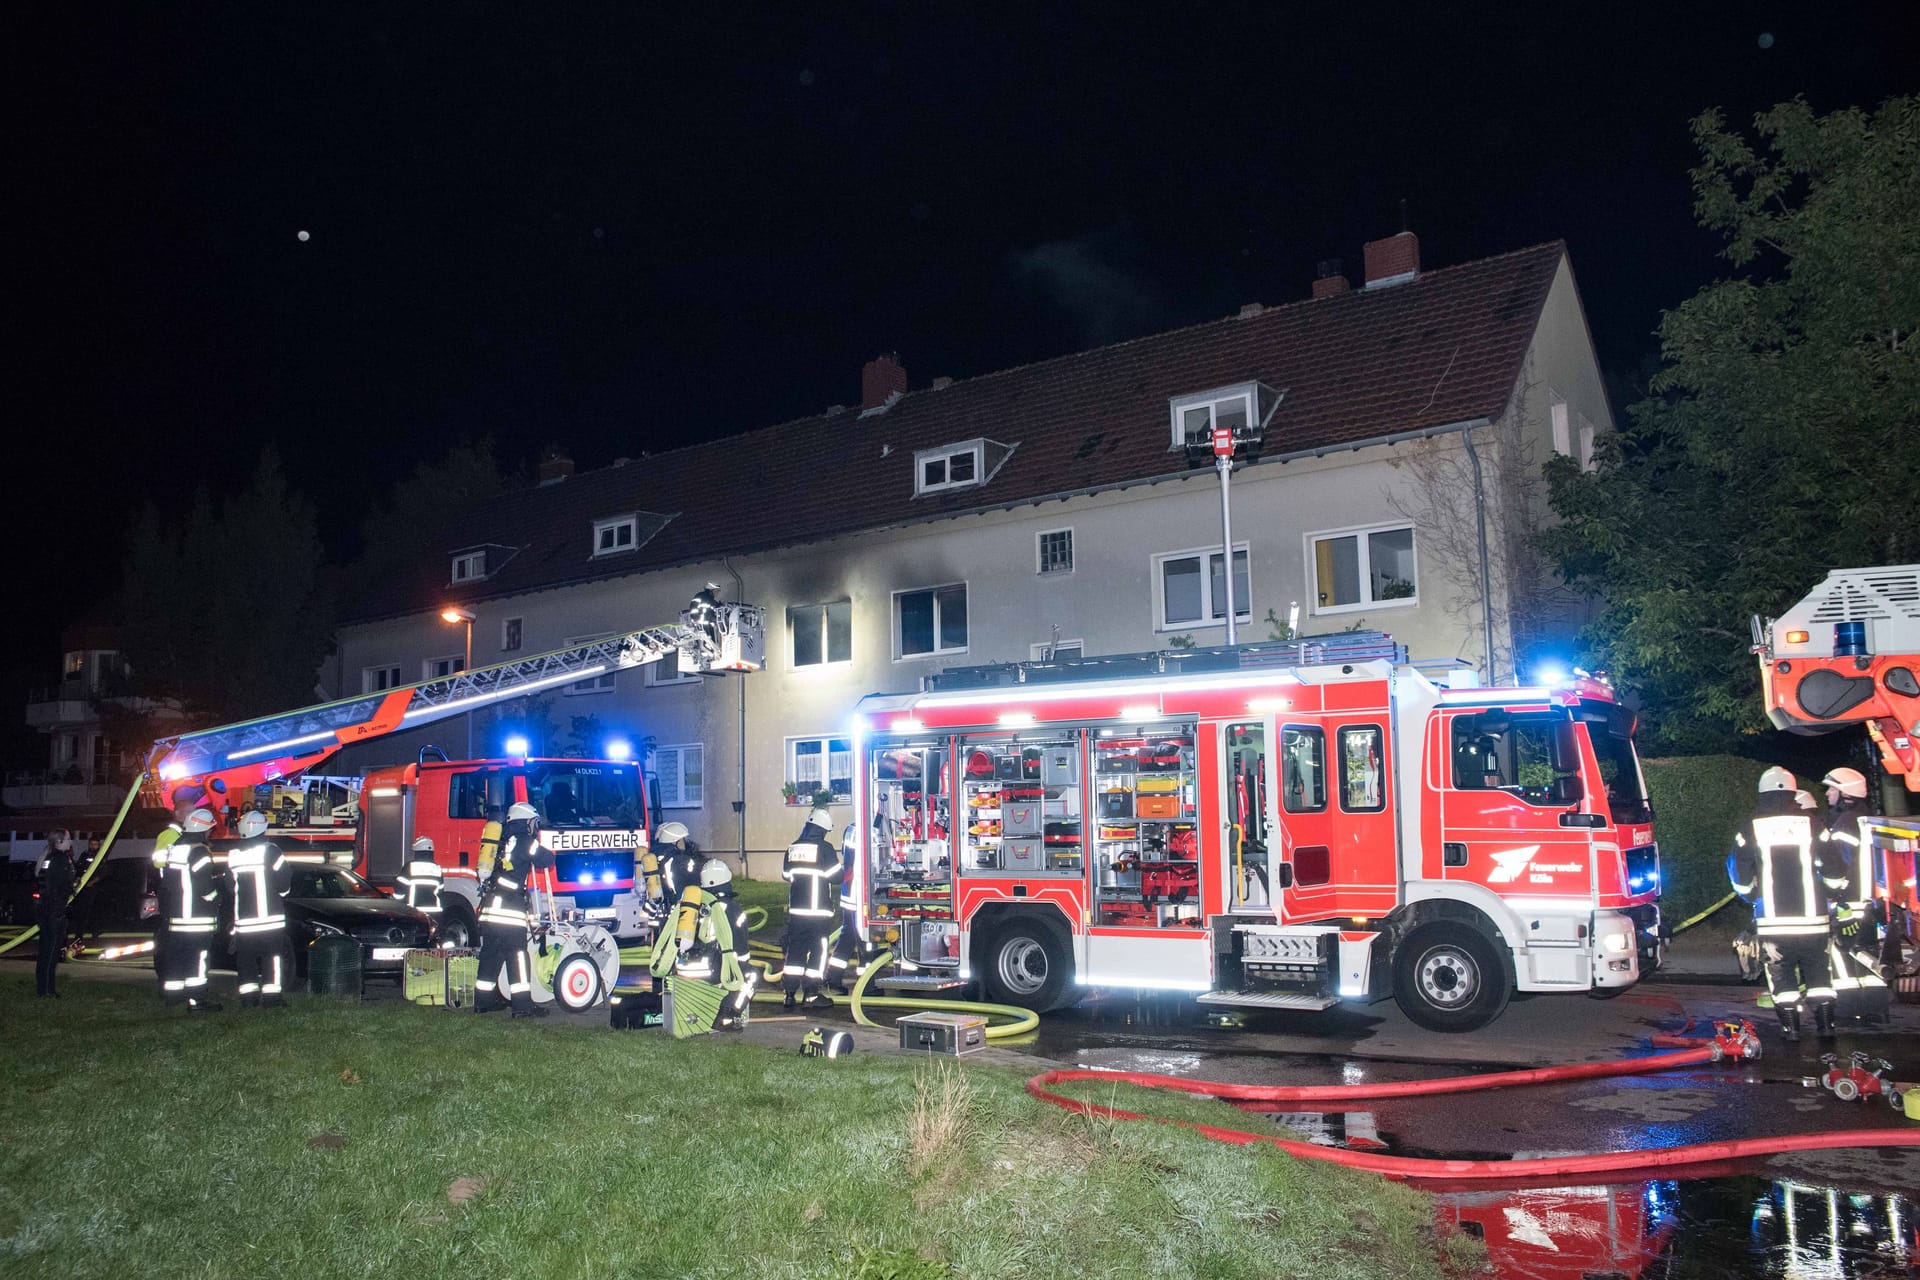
x: 623, y: 228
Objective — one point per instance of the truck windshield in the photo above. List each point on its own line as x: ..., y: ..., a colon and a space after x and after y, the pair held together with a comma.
x: 1610, y: 729
x: 586, y: 794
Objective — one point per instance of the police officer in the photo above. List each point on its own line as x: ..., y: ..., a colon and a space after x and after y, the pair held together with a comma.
x: 421, y: 882
x: 812, y: 872
x: 1853, y: 951
x: 1774, y: 860
x: 846, y: 944
x: 680, y: 863
x: 190, y: 906
x: 52, y: 886
x: 506, y: 918
x: 261, y: 881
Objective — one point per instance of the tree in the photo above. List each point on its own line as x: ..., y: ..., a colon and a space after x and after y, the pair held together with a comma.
x: 224, y: 610
x: 1782, y: 435
x: 433, y: 497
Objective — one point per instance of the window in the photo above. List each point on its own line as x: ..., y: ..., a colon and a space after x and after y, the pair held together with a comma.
x: 610, y: 537
x: 1362, y: 773
x: 667, y: 671
x: 479, y: 794
x: 1352, y: 570
x: 1523, y: 755
x: 933, y: 620
x: 379, y: 679
x: 822, y: 633
x: 1586, y: 445
x: 75, y: 663
x: 595, y: 684
x: 470, y: 566
x: 817, y: 763
x: 1056, y: 551
x: 952, y: 467
x: 1562, y: 428
x: 1189, y: 596
x: 441, y: 668
x: 1195, y: 416
x: 1058, y: 651
x: 677, y: 769
x: 1303, y: 769
x: 510, y: 633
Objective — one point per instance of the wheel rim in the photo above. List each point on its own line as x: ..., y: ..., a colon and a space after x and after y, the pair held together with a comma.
x: 1023, y: 966
x: 1448, y: 977
x: 455, y: 932
x: 574, y: 984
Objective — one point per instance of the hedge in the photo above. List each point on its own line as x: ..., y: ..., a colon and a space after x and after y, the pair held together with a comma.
x: 1698, y: 802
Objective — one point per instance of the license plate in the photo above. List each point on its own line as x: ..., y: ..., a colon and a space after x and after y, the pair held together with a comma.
x: 601, y: 913
x: 389, y: 953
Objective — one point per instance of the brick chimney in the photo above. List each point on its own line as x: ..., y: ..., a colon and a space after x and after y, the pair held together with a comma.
x: 1393, y: 260
x: 1330, y: 283
x: 555, y: 466
x: 880, y: 378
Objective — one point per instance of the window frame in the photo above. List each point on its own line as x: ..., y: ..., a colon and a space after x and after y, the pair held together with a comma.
x: 1040, y: 651
x: 456, y: 663
x: 899, y: 637
x: 1178, y: 406
x: 826, y: 741
x: 654, y: 680
x: 826, y: 635
x: 1340, y: 759
x: 1242, y: 609
x: 368, y: 684
x: 1360, y: 533
x: 1318, y: 732
x: 1040, y: 552
x: 477, y: 562
x: 679, y: 749
x: 977, y: 448
x: 602, y: 683
x: 519, y: 638
x: 630, y: 522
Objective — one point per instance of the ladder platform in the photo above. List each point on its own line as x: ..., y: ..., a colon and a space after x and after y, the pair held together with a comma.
x: 1269, y: 1000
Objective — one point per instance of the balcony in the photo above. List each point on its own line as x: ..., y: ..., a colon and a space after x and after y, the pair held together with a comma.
x: 80, y: 702
x: 61, y: 789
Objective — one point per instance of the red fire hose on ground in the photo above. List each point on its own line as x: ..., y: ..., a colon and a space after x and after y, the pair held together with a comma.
x: 1735, y: 1041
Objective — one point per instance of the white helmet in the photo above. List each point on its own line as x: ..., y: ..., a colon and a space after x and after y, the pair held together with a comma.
x: 715, y: 874
x: 1848, y: 782
x: 1778, y: 779
x: 424, y: 845
x: 671, y: 833
x: 252, y: 823
x: 199, y: 820
x: 1805, y: 800
x: 820, y: 818
x: 523, y: 810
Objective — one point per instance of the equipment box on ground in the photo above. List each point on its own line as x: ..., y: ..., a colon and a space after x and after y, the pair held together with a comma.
x: 442, y: 978
x: 954, y: 1033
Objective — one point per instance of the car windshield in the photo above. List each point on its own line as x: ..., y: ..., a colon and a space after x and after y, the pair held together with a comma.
x: 586, y: 794
x: 330, y: 882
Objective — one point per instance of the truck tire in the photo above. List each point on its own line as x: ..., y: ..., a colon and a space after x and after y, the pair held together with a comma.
x: 1447, y: 976
x: 1025, y: 966
x: 459, y: 927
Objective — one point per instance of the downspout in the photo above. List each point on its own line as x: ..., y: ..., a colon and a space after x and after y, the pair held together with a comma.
x: 740, y: 777
x: 1480, y: 521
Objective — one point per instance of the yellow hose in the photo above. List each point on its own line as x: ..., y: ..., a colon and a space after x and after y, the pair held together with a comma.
x: 1022, y: 1020
x: 1693, y: 920
x: 99, y: 860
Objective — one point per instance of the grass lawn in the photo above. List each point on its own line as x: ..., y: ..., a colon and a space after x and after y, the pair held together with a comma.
x: 336, y: 1139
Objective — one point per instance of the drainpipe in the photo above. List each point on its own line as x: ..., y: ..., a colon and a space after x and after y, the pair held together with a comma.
x: 1480, y: 520
x: 740, y: 777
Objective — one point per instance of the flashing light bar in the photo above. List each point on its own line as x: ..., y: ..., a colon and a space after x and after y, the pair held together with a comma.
x: 619, y: 749
x: 1269, y: 704
x: 1140, y: 713
x: 1072, y: 692
x: 516, y: 746
x: 1018, y: 720
x: 907, y: 724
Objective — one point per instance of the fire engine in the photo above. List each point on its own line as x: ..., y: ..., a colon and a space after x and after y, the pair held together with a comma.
x: 1270, y: 826
x: 594, y: 811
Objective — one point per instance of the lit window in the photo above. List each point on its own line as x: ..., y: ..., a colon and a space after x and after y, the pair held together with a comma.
x: 1196, y: 416
x: 677, y: 769
x: 933, y: 620
x: 610, y: 537
x: 822, y: 633
x: 820, y: 764
x: 379, y: 679
x: 75, y: 663
x: 1192, y: 590
x: 510, y: 631
x: 1056, y: 551
x: 1362, y: 568
x: 470, y: 566
x: 441, y: 668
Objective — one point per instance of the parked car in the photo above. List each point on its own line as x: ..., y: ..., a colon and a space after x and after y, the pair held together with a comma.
x: 329, y: 901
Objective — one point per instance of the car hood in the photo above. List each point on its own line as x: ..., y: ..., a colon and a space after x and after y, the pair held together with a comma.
x: 352, y: 911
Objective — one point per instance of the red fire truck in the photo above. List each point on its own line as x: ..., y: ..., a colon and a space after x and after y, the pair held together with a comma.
x: 1279, y: 826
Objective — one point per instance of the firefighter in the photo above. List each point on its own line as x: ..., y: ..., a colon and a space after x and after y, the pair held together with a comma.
x: 1853, y: 951
x: 812, y: 872
x: 420, y: 884
x: 845, y: 962
x: 52, y: 886
x: 709, y: 941
x: 654, y: 902
x: 190, y: 906
x: 1774, y: 859
x: 506, y: 918
x: 680, y: 866
x: 261, y: 882
x: 703, y: 614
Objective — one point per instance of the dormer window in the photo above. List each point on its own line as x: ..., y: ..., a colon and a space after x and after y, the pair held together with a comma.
x: 1241, y: 408
x: 469, y: 566
x: 957, y: 466
x: 611, y: 537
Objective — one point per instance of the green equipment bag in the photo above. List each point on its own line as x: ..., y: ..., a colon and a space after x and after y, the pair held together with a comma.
x: 692, y: 1006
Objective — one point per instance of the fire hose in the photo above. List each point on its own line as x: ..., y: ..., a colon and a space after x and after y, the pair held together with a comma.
x: 1021, y: 1021
x: 1730, y: 1041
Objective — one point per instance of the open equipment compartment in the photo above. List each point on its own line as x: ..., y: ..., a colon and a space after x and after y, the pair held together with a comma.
x: 910, y: 852
x: 1147, y: 845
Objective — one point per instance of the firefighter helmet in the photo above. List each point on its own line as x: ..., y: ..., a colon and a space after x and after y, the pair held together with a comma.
x: 820, y: 818
x: 523, y: 812
x: 424, y: 845
x: 1848, y: 782
x: 199, y: 820
x: 714, y: 874
x: 1778, y: 779
x: 1805, y: 800
x: 671, y: 832
x: 252, y: 823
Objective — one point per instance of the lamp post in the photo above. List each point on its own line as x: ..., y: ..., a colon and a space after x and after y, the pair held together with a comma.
x: 455, y: 614
x: 1223, y: 463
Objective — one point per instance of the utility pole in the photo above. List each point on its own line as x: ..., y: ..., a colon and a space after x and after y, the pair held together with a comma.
x: 1223, y: 463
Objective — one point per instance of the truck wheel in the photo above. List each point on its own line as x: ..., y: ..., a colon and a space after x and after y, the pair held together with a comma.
x: 1448, y: 977
x: 1026, y: 967
x: 576, y: 983
x: 459, y: 927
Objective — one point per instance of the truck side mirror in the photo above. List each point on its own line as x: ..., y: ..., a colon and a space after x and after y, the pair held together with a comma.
x: 1567, y: 789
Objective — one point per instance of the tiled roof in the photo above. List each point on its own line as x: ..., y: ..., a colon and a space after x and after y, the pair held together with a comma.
x: 1443, y: 348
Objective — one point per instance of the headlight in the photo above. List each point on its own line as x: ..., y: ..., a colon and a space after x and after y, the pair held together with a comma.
x: 1617, y: 942
x: 324, y: 929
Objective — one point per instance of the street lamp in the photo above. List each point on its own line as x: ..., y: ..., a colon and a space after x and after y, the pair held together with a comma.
x: 455, y: 615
